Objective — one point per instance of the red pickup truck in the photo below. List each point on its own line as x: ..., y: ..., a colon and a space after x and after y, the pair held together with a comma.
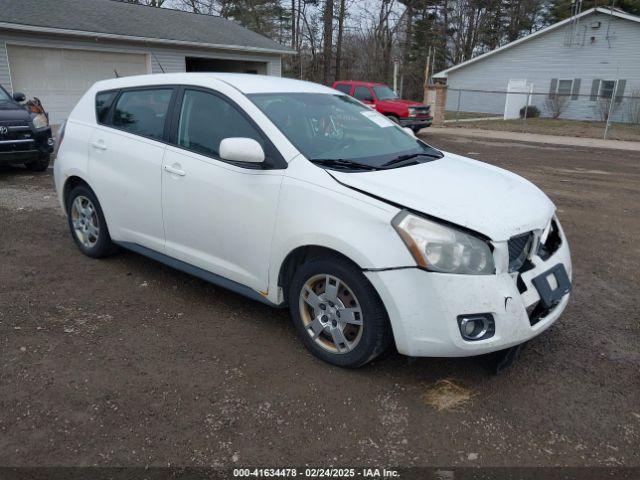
x: 407, y: 113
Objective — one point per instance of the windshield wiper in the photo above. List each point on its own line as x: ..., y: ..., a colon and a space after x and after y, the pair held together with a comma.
x: 411, y: 156
x: 342, y: 163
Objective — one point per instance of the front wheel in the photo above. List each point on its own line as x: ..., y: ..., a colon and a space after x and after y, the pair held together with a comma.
x: 338, y: 313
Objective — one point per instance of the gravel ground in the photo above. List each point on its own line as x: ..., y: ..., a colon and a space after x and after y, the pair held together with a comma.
x: 124, y: 361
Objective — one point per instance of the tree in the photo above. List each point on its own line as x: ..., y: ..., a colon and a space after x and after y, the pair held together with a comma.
x: 561, y: 9
x: 261, y: 16
x: 361, y: 39
x: 327, y: 40
x: 149, y: 3
x: 341, y: 19
x: 556, y: 104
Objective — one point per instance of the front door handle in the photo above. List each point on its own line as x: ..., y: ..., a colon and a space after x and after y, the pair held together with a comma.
x: 99, y: 145
x: 174, y: 170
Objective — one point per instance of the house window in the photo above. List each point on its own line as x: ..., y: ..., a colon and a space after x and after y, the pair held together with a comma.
x: 606, y: 88
x: 565, y: 87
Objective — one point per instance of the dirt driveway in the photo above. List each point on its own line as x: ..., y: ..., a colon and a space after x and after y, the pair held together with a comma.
x: 126, y: 362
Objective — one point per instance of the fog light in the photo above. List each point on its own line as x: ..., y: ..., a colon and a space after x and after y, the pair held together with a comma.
x: 477, y: 326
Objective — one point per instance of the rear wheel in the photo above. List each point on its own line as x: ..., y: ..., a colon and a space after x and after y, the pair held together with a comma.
x: 87, y: 224
x: 338, y: 313
x: 39, y: 165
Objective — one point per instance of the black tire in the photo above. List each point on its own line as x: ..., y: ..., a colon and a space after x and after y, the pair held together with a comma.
x: 39, y: 165
x: 103, y: 246
x: 416, y: 129
x: 376, y: 333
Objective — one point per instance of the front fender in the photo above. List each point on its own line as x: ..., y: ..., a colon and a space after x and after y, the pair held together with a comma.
x: 338, y: 218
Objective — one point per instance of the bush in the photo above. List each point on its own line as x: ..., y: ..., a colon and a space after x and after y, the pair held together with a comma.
x: 532, y: 111
x: 556, y: 104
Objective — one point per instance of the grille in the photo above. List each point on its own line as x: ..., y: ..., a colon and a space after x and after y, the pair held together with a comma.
x: 552, y: 244
x: 18, y: 137
x: 16, y: 134
x: 421, y: 111
x: 519, y: 249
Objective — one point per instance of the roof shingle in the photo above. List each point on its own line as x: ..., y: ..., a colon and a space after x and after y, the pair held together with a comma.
x: 120, y: 18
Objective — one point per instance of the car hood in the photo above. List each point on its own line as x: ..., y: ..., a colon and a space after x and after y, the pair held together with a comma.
x: 469, y: 193
x: 13, y: 111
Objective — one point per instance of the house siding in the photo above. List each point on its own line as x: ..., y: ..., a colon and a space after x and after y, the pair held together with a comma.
x: 542, y: 59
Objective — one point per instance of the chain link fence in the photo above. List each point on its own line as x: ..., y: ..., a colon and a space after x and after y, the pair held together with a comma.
x: 600, y: 115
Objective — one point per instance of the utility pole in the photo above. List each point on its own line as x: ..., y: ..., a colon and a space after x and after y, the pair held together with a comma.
x: 395, y: 75
x: 427, y: 68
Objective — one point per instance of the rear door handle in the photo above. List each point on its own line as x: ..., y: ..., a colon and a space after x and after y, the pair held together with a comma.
x: 99, y: 145
x: 174, y: 170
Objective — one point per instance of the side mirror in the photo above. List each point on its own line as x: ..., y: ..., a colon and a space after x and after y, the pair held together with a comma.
x: 240, y: 149
x: 410, y: 131
x: 19, y: 97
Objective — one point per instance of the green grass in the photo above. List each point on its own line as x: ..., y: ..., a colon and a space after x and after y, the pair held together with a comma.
x: 569, y: 128
x: 451, y: 115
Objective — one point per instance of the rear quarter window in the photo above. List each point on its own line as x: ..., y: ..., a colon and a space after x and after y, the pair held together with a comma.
x: 103, y: 105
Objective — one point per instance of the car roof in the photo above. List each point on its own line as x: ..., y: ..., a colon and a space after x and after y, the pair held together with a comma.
x: 245, y: 83
x: 360, y: 83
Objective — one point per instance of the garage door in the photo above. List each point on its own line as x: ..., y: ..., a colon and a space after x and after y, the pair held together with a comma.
x: 59, y: 77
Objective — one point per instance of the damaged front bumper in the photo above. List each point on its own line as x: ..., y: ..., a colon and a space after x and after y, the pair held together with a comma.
x: 424, y: 307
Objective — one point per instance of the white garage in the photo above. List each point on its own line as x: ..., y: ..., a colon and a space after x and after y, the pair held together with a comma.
x: 55, y: 54
x: 59, y: 77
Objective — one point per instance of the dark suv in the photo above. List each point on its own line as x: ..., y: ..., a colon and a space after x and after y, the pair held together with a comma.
x: 25, y: 134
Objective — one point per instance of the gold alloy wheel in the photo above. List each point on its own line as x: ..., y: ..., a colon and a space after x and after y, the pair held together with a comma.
x: 331, y: 313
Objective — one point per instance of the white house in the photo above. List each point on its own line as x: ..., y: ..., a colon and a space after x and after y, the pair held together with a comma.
x: 56, y: 50
x: 584, y: 60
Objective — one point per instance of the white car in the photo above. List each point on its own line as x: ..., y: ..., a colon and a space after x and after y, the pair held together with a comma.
x: 297, y: 195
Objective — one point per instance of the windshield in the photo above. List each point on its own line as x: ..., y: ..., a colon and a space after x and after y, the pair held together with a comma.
x: 337, y: 127
x: 4, y: 96
x: 385, y: 93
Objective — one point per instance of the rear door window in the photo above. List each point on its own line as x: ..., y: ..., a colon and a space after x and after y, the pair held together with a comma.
x: 143, y: 112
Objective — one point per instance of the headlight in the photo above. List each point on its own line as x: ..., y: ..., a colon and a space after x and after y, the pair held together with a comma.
x: 412, y: 111
x: 40, y: 121
x: 443, y: 249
